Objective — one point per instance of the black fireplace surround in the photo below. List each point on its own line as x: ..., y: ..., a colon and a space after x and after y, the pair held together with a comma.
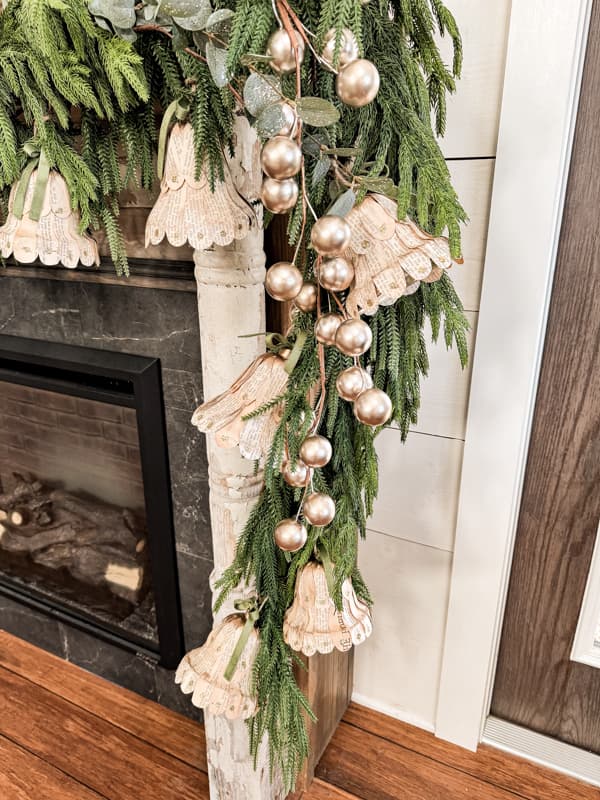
x: 110, y: 380
x: 128, y: 333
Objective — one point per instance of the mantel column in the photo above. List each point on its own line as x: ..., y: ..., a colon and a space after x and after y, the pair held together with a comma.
x: 231, y: 304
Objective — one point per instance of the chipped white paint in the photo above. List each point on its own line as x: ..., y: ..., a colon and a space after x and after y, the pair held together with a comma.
x: 231, y: 305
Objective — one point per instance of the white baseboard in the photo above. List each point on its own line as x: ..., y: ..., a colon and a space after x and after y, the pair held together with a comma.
x: 544, y: 750
x: 390, y: 711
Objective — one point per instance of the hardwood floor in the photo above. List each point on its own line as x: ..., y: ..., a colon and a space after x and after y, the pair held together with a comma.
x: 68, y: 735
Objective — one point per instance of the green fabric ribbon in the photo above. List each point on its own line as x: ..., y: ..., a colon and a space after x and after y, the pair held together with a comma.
x: 21, y: 191
x: 294, y: 356
x: 41, y: 184
x: 252, y: 611
x: 39, y: 192
x: 176, y: 109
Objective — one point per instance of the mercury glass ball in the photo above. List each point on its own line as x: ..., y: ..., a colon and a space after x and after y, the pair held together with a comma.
x: 326, y: 328
x: 290, y: 535
x: 283, y: 281
x: 281, y: 53
x: 357, y: 84
x: 330, y: 235
x: 373, y: 407
x: 353, y: 337
x: 281, y: 158
x: 316, y: 451
x: 279, y: 196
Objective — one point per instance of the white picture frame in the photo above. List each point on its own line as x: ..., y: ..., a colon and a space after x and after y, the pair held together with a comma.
x: 586, y: 644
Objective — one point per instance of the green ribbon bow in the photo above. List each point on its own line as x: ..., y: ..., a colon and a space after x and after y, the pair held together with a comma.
x: 39, y: 191
x: 176, y: 109
x: 276, y: 343
x: 252, y: 610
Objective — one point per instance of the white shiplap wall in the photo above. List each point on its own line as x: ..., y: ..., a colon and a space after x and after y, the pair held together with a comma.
x: 407, y: 557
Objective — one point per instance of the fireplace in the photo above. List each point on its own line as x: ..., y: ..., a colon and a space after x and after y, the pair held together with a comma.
x: 86, y: 527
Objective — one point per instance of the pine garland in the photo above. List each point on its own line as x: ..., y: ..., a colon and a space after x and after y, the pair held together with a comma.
x: 118, y: 72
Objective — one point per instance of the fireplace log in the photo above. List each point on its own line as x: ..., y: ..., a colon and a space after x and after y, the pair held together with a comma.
x: 18, y: 517
x: 97, y: 543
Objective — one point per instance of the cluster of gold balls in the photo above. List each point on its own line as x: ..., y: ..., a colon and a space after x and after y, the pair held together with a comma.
x: 318, y: 508
x: 357, y: 83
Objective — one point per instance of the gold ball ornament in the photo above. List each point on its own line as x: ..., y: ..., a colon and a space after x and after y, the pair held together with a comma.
x: 316, y: 451
x: 373, y: 407
x: 353, y: 337
x: 282, y: 55
x: 319, y: 509
x: 279, y: 196
x: 290, y: 119
x: 358, y: 83
x: 290, y: 535
x: 281, y: 158
x: 326, y: 328
x: 352, y: 382
x: 330, y: 235
x: 336, y: 274
x: 283, y: 281
x: 296, y: 474
x: 306, y: 299
x: 348, y: 50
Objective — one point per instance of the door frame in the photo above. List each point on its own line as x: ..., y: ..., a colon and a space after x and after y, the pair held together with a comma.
x: 545, y: 55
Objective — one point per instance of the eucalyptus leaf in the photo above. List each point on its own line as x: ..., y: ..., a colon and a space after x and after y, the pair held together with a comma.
x: 120, y: 13
x: 270, y: 121
x: 126, y: 33
x: 320, y: 171
x: 103, y: 23
x: 198, y: 20
x: 261, y: 91
x: 343, y: 204
x: 217, y: 64
x: 313, y: 145
x: 200, y: 40
x: 220, y: 22
x: 180, y: 8
x: 317, y: 111
x: 343, y: 152
x: 381, y: 185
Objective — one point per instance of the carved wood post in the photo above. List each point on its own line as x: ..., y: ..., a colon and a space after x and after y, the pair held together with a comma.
x: 231, y: 304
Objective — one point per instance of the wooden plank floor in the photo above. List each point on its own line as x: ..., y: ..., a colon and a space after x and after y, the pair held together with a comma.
x: 68, y: 735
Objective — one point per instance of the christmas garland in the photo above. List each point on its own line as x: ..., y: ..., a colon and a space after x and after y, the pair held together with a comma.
x: 348, y: 97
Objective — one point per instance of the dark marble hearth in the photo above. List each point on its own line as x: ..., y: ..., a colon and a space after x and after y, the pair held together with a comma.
x: 149, y: 322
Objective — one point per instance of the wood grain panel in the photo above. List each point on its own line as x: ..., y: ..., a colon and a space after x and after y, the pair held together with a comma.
x: 320, y: 790
x: 488, y: 764
x: 157, y: 725
x: 375, y: 769
x: 537, y: 686
x: 105, y: 758
x: 23, y: 776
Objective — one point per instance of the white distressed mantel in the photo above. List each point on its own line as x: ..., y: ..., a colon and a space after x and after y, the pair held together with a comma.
x: 231, y: 305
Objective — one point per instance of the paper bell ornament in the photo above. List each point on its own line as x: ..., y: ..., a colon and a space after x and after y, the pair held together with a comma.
x: 202, y: 671
x: 187, y: 210
x: 264, y: 380
x: 390, y: 257
x: 312, y: 624
x: 50, y: 234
